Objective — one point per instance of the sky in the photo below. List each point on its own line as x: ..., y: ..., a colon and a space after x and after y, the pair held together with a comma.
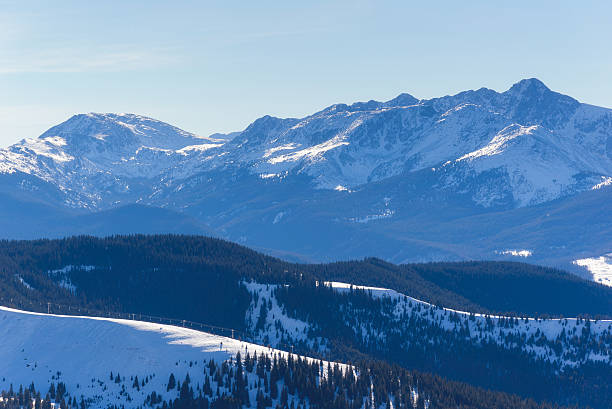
x: 211, y: 67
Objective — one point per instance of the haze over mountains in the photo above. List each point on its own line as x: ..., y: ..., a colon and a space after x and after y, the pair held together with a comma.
x: 477, y: 175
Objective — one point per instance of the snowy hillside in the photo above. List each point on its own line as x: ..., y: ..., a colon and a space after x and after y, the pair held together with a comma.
x: 82, y: 352
x: 564, y: 343
x: 141, y: 363
x: 549, y: 330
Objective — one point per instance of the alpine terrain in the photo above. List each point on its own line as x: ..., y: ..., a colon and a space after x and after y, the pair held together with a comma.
x: 526, y: 173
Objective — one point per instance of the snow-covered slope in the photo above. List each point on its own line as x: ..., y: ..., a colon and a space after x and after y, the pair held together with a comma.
x: 82, y: 352
x: 265, y: 324
x: 543, y: 145
x: 91, y: 156
x: 599, y: 267
x: 405, y: 321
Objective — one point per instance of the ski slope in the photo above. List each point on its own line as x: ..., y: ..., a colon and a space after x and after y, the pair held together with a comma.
x: 83, y: 351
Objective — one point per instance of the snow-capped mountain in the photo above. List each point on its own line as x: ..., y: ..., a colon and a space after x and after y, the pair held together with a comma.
x: 477, y: 152
x: 542, y: 144
x: 91, y: 155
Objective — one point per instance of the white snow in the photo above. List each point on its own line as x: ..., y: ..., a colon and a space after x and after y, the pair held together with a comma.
x: 198, y: 148
x: 62, y: 278
x: 605, y: 181
x: 515, y: 252
x: 294, y: 328
x: 599, y: 267
x: 275, y: 149
x: 82, y: 352
x: 385, y: 214
x: 69, y: 268
x: 377, y: 291
x: 269, y: 175
x: 279, y: 216
x: 499, y: 142
x: 310, y: 153
x: 22, y: 281
x: 100, y: 149
x: 49, y: 147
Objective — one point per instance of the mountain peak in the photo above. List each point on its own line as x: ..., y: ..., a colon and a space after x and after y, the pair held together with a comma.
x: 402, y: 100
x: 532, y: 102
x: 124, y: 117
x: 528, y: 85
x: 118, y: 132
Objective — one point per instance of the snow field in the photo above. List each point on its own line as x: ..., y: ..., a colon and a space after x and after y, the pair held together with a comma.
x: 599, y: 267
x: 83, y: 351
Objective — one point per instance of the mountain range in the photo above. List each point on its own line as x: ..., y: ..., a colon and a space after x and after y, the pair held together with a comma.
x: 478, y: 175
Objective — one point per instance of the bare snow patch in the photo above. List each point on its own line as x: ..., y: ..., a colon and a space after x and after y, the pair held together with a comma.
x: 377, y: 291
x: 387, y: 213
x: 22, y: 281
x: 599, y: 267
x: 310, y: 153
x: 198, y: 148
x: 48, y: 147
x: 69, y: 268
x: 500, y: 142
x: 271, y: 151
x: 605, y: 181
x: 279, y: 216
x: 268, y: 175
x: 516, y: 253
x: 62, y: 278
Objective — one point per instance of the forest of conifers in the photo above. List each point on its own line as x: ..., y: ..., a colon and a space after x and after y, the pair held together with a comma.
x: 202, y: 279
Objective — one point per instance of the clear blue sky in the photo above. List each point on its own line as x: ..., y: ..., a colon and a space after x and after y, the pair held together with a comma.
x: 215, y: 67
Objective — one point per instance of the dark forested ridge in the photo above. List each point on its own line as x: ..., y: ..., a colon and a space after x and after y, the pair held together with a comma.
x: 493, y: 287
x: 210, y: 281
x: 162, y: 265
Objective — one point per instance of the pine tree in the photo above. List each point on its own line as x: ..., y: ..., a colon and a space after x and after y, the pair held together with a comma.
x: 171, y: 382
